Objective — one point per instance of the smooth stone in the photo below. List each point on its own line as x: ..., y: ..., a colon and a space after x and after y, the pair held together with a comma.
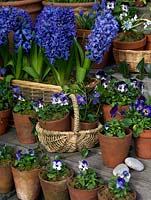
x: 134, y: 164
x: 119, y: 169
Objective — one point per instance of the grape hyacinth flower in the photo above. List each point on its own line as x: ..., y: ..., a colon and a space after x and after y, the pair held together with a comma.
x: 105, y: 30
x: 57, y: 165
x: 83, y: 165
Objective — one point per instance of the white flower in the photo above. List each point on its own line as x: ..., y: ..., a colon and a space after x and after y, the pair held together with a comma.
x: 124, y: 8
x: 122, y: 15
x: 83, y: 165
x: 57, y: 164
x: 21, y: 98
x: 110, y: 5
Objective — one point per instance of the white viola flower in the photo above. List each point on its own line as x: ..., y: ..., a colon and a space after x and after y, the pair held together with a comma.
x: 126, y: 175
x: 21, y: 98
x: 124, y: 8
x: 57, y: 164
x: 83, y: 165
x: 122, y: 15
x: 110, y: 5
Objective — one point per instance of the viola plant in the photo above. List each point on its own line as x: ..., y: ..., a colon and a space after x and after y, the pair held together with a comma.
x: 6, y: 95
x: 89, y: 104
x: 103, y: 32
x: 58, y: 107
x: 27, y: 160
x: 54, y: 32
x: 116, y: 128
x: 139, y: 115
x: 58, y: 170
x: 6, y: 155
x: 116, y: 92
x: 86, y: 178
x: 118, y: 186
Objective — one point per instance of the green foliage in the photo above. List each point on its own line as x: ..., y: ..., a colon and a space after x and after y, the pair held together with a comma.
x: 118, y: 192
x: 28, y: 160
x: 51, y: 112
x: 71, y: 1
x: 6, y: 155
x: 116, y: 128
x: 86, y: 180
x: 57, y: 171
x: 112, y: 96
x: 6, y: 95
x: 24, y: 106
x: 138, y: 120
x: 84, y: 152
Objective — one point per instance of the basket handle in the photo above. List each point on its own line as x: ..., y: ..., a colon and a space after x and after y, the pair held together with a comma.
x: 76, y: 113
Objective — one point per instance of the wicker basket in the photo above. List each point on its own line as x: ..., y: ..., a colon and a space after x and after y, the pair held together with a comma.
x: 36, y: 90
x: 69, y: 141
x: 132, y: 57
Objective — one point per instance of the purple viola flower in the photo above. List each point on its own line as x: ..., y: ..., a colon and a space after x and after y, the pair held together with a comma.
x: 57, y: 165
x: 146, y: 111
x: 121, y: 86
x: 2, y: 71
x: 120, y: 183
x: 99, y: 41
x: 55, y: 30
x: 96, y: 6
x: 83, y: 165
x: 81, y: 99
x: 139, y: 106
x: 95, y: 98
x: 113, y: 111
x: 31, y: 152
x: 18, y: 154
x: 16, y: 89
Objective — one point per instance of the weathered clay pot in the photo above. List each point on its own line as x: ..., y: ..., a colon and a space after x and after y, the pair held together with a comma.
x: 114, y: 149
x: 6, y: 179
x: 84, y: 125
x: 26, y: 183
x: 32, y: 6
x: 57, y: 125
x: 75, y: 6
x: 55, y: 189
x: 78, y: 194
x: 24, y: 128
x: 4, y: 117
x: 136, y: 45
x: 106, y: 112
x: 143, y: 145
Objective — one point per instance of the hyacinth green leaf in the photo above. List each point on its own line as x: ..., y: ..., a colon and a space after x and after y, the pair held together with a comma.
x: 19, y: 63
x: 32, y: 72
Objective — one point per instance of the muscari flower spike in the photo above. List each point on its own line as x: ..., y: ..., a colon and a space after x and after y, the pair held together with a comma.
x: 83, y: 165
x: 57, y: 165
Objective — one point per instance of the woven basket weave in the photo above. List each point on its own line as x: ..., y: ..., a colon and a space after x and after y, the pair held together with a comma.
x: 132, y: 57
x: 34, y: 90
x: 68, y: 141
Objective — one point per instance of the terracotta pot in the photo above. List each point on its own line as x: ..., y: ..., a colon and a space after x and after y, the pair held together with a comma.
x: 106, y: 112
x: 76, y: 6
x: 82, y: 37
x: 32, y: 6
x: 6, y: 179
x: 84, y: 125
x: 24, y: 128
x: 148, y: 42
x: 55, y: 189
x: 114, y: 149
x: 143, y: 145
x: 26, y: 183
x: 78, y: 194
x: 57, y: 125
x: 104, y: 194
x: 136, y: 45
x: 4, y: 117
